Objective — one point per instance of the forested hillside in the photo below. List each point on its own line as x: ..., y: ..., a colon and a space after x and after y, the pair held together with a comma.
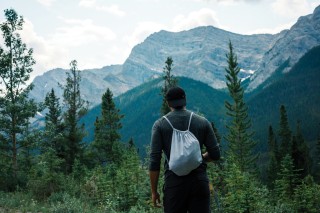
x: 298, y: 90
x: 141, y: 108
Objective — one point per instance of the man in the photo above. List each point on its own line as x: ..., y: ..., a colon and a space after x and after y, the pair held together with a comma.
x: 187, y: 193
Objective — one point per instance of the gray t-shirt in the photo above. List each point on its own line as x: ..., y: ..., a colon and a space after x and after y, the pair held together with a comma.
x: 162, y: 134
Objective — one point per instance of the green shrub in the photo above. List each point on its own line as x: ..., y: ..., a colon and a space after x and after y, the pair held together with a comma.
x: 45, y: 177
x: 68, y: 204
x: 307, y: 196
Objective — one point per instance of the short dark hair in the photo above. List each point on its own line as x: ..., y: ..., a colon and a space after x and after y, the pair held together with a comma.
x: 176, y: 97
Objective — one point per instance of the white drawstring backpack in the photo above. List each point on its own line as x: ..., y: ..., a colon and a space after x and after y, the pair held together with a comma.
x: 185, y: 154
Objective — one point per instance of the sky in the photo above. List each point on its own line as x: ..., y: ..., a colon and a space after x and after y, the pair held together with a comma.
x: 99, y: 33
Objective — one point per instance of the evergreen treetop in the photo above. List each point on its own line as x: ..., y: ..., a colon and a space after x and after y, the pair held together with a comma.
x: 239, y: 138
x: 284, y: 133
x: 169, y: 82
x: 75, y: 109
x: 54, y: 126
x: 107, y: 137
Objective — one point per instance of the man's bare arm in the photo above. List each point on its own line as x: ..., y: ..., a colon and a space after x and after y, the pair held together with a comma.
x: 154, y: 178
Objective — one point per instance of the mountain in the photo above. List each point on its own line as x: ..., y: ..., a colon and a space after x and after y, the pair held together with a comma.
x: 298, y: 90
x: 287, y: 50
x: 198, y: 53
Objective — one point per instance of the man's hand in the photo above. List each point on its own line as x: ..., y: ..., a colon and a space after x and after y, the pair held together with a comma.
x: 154, y: 177
x: 206, y: 157
x: 156, y: 200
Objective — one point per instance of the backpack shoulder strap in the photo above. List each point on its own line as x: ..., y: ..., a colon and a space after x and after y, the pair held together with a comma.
x: 190, y: 120
x: 168, y: 121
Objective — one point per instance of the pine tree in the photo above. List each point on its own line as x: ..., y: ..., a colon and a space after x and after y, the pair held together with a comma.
x: 76, y: 108
x: 284, y: 133
x: 239, y: 138
x: 16, y: 108
x: 169, y: 82
x: 273, y: 156
x: 130, y: 177
x: 107, y: 136
x: 287, y: 180
x: 243, y: 192
x: 307, y: 196
x: 54, y: 128
x: 300, y: 153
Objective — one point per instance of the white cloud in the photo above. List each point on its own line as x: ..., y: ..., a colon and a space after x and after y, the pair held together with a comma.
x: 141, y: 32
x: 79, y: 32
x: 111, y: 9
x: 315, y: 4
x: 254, y: 1
x: 46, y: 55
x: 228, y: 2
x: 274, y: 30
x: 46, y: 3
x: 203, y: 17
x: 292, y: 8
x: 87, y: 3
x: 60, y: 48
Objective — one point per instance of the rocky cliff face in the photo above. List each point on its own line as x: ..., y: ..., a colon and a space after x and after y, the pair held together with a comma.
x: 287, y: 50
x: 200, y: 54
x: 94, y: 83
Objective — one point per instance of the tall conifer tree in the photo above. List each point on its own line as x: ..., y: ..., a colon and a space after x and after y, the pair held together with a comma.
x: 287, y: 179
x: 16, y: 108
x: 300, y: 153
x: 273, y: 166
x: 54, y: 127
x: 76, y: 108
x: 169, y: 81
x: 107, y: 129
x: 284, y: 133
x: 239, y: 138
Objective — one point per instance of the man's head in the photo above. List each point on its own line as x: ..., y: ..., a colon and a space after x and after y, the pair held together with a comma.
x: 176, y: 97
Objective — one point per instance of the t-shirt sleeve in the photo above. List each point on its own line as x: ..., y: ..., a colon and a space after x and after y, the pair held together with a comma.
x: 156, y: 148
x: 211, y: 143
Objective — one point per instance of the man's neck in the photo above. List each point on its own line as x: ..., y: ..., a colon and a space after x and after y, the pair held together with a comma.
x: 173, y: 109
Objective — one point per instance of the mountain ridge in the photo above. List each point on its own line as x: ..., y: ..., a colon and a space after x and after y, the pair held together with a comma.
x: 198, y: 53
x: 302, y: 36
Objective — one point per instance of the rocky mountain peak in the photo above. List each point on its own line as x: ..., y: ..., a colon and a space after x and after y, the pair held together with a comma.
x: 287, y: 50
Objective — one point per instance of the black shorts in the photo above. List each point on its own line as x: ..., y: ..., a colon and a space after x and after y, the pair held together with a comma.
x: 190, y: 194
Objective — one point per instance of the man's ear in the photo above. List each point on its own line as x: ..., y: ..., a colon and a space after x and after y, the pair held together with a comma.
x: 169, y: 106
